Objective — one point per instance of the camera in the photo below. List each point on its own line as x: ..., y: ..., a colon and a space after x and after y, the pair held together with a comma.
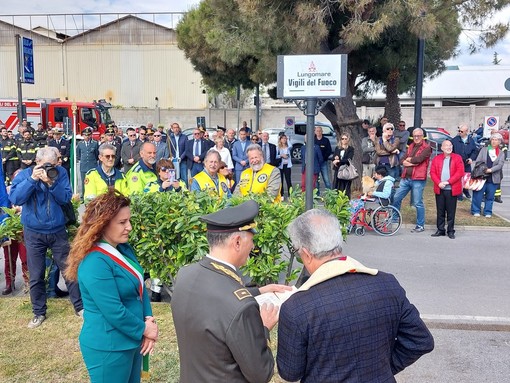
x: 51, y: 171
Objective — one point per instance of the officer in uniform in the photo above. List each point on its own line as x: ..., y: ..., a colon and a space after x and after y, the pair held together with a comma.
x: 222, y: 333
x: 260, y: 177
x: 110, y: 139
x: 63, y: 146
x: 87, y: 153
x: 144, y: 170
x: 10, y: 159
x: 27, y: 150
x: 40, y: 136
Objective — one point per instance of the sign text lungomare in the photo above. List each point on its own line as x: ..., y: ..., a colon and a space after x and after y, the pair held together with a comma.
x: 312, y: 76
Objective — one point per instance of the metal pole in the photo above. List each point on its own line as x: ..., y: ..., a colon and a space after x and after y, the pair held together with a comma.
x: 311, y: 105
x: 75, y: 175
x: 17, y: 40
x: 238, y: 106
x: 257, y: 107
x: 419, y: 83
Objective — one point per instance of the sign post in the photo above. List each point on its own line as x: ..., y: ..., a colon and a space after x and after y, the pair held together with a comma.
x: 74, y: 108
x: 311, y: 81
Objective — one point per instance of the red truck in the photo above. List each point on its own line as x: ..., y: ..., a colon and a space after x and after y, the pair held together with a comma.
x: 94, y: 114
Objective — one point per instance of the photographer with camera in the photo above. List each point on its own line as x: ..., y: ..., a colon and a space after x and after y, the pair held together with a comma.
x: 42, y: 192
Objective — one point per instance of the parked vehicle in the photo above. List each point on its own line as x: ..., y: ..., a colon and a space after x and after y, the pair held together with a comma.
x: 435, y: 138
x: 296, y: 136
x: 94, y: 114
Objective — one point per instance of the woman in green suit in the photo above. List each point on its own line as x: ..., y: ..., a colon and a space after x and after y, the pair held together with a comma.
x: 118, y: 327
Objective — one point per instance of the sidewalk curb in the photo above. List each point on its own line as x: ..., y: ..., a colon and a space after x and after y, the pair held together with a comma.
x: 467, y: 322
x: 462, y: 228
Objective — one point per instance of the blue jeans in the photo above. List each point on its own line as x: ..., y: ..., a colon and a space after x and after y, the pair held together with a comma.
x: 476, y: 203
x: 324, y: 172
x: 416, y: 188
x: 37, y: 244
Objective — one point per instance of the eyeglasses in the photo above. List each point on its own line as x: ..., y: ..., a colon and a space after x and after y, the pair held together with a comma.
x: 389, y: 129
x: 254, y: 139
x: 165, y: 169
x: 401, y: 124
x: 109, y: 156
x: 131, y: 135
x: 196, y: 134
x: 344, y: 138
x: 157, y: 135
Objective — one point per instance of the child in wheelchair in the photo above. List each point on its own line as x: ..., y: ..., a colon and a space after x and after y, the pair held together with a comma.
x: 376, y: 195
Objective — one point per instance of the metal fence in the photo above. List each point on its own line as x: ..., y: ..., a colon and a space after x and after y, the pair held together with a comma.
x: 115, y: 28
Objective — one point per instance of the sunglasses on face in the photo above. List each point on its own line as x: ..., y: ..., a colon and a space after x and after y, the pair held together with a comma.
x: 157, y: 135
x: 401, y: 124
x: 165, y: 169
x: 344, y: 138
x: 389, y: 129
x: 132, y: 135
x: 109, y: 156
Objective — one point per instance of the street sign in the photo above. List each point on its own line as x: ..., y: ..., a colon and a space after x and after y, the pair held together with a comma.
x: 289, y: 122
x: 490, y: 123
x: 311, y: 76
x: 27, y: 57
x: 201, y: 122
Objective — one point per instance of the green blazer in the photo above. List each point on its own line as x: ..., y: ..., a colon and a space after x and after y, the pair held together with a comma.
x: 114, y: 312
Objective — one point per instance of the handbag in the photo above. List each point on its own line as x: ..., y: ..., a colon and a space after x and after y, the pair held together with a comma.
x: 347, y: 172
x: 479, y: 171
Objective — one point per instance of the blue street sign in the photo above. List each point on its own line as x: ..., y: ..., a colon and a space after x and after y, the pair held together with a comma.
x: 27, y: 55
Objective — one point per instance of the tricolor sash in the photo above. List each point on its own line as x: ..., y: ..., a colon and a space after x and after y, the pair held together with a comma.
x: 122, y: 261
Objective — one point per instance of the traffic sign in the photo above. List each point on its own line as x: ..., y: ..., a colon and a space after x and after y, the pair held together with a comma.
x: 289, y: 121
x: 490, y: 123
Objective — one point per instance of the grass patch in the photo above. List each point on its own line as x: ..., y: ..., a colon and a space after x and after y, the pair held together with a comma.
x: 51, y: 353
x: 463, y: 215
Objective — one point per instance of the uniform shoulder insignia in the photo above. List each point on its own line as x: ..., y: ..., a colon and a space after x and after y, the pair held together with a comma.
x: 242, y: 293
x: 227, y: 271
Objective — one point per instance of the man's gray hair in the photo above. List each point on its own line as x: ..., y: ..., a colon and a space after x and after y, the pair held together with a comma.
x: 106, y: 146
x: 255, y: 147
x: 212, y: 152
x: 318, y: 231
x: 497, y: 136
x: 47, y: 154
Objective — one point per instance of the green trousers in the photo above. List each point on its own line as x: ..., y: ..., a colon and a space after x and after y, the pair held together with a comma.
x: 113, y: 366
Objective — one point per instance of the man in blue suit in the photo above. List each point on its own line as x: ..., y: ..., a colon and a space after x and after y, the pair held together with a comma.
x: 239, y: 154
x: 347, y: 322
x: 177, y: 145
x: 195, y: 152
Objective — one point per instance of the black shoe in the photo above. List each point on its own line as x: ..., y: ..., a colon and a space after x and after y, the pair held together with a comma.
x: 7, y: 291
x: 155, y: 297
x: 438, y: 234
x: 451, y: 235
x: 498, y: 200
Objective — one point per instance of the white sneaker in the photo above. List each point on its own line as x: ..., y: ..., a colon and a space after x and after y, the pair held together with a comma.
x: 488, y: 216
x: 36, y: 321
x: 476, y: 215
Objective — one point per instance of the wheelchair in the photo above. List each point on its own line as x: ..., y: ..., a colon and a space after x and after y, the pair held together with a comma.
x: 384, y: 220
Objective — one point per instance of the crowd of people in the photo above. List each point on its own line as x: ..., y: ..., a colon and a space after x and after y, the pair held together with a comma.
x: 106, y: 284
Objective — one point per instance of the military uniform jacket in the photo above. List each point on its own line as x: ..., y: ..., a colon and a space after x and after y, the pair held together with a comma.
x: 9, y: 150
x: 27, y: 150
x: 64, y: 147
x: 87, y: 154
x: 41, y: 138
x: 219, y: 331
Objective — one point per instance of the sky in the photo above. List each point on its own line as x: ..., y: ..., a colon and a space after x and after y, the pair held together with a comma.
x: 18, y: 7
